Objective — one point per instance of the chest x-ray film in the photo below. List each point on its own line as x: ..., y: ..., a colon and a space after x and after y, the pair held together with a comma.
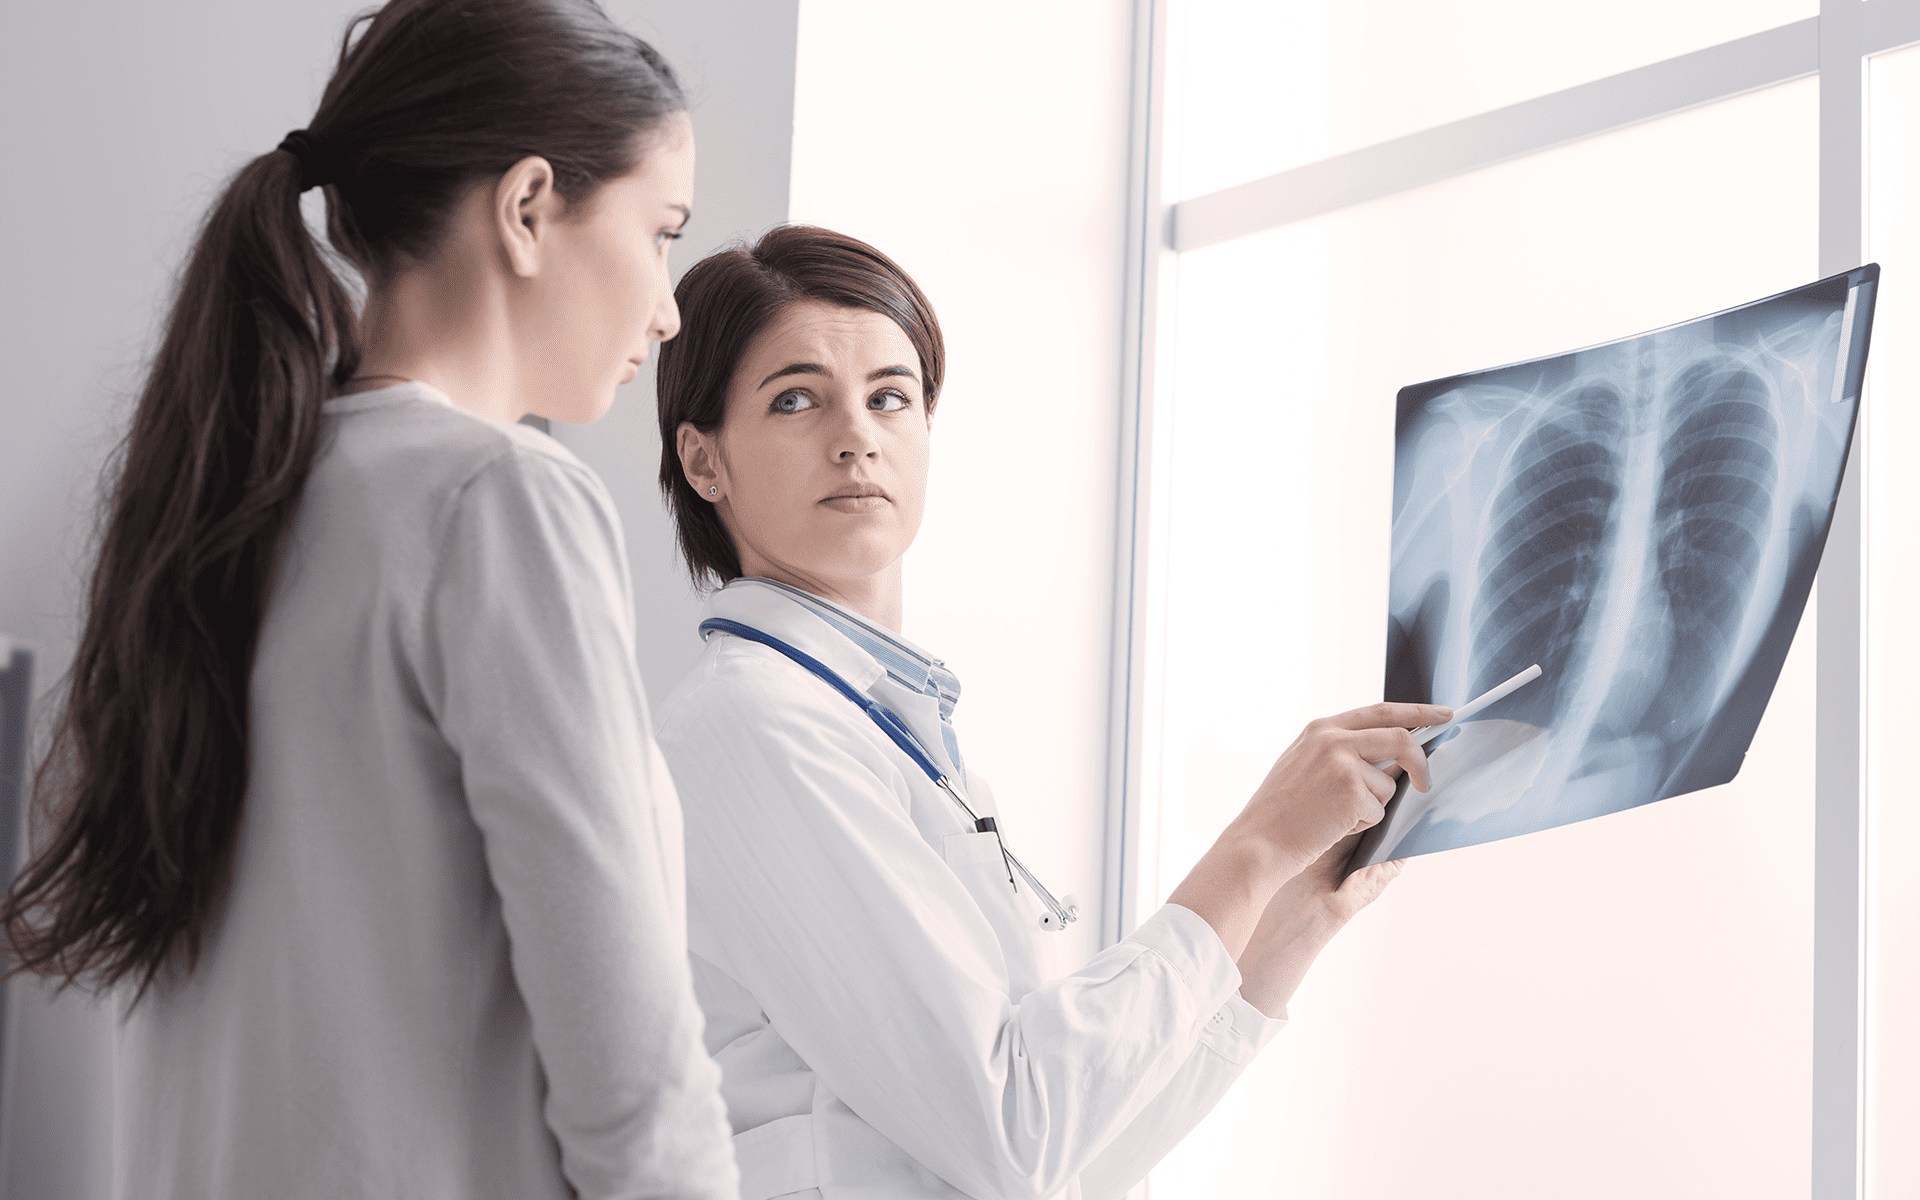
x: 1643, y: 519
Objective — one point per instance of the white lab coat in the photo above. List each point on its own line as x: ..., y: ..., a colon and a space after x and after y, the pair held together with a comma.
x: 879, y: 999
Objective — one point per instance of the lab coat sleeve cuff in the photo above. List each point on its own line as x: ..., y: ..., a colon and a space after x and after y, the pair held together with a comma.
x: 1190, y: 945
x: 1237, y: 1030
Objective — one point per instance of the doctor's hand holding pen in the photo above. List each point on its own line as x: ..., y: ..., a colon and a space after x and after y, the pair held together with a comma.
x: 1270, y: 885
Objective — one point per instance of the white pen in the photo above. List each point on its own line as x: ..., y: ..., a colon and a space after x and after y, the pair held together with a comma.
x: 1471, y: 708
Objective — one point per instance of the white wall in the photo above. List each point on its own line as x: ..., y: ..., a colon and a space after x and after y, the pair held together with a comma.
x: 123, y: 119
x: 983, y: 147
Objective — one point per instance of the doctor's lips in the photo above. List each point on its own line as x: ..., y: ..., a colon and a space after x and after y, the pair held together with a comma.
x: 857, y: 498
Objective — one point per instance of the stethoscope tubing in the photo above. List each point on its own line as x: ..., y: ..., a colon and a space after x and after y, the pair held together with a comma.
x: 903, y: 737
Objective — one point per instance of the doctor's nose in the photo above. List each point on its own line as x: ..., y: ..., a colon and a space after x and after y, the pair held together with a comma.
x: 855, y: 439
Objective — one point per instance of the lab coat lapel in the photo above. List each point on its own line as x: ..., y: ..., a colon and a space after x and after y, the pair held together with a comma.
x: 922, y: 715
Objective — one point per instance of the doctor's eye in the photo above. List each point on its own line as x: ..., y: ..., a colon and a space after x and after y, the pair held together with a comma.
x: 791, y: 402
x: 666, y: 237
x: 889, y: 400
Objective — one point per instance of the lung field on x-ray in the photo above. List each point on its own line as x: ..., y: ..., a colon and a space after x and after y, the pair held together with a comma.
x: 1642, y: 519
x: 1544, y: 567
x: 1624, y: 544
x: 1722, y: 469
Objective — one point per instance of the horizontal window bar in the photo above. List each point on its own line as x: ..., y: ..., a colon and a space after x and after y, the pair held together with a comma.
x: 1890, y: 24
x: 1717, y: 73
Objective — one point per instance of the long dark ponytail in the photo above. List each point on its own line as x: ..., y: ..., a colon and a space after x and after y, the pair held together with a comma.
x: 141, y: 790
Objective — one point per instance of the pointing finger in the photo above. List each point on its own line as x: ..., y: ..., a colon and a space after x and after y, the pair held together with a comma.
x: 1391, y: 714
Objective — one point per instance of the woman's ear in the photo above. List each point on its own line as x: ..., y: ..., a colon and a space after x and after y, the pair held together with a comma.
x: 700, y: 461
x: 524, y: 206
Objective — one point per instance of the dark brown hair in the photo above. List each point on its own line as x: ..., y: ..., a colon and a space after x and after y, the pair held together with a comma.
x: 725, y: 301
x: 142, y: 787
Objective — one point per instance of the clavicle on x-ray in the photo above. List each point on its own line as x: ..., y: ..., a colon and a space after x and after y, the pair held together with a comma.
x: 1643, y: 519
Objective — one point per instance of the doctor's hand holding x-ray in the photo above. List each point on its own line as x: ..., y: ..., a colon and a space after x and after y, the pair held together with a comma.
x: 1311, y: 790
x: 871, y: 958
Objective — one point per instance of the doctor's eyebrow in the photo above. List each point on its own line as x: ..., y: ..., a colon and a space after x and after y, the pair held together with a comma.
x: 807, y: 368
x: 796, y: 369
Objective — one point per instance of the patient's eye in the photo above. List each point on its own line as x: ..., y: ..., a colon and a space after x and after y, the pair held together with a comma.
x: 889, y: 400
x: 792, y: 402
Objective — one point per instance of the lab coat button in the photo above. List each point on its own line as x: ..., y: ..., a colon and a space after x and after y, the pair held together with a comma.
x: 1220, y: 1018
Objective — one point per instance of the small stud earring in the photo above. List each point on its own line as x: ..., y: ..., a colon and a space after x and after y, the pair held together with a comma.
x: 713, y: 491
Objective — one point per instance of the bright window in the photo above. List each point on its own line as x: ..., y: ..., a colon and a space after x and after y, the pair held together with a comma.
x: 1893, y: 638
x: 1495, y: 1021
x: 1270, y: 86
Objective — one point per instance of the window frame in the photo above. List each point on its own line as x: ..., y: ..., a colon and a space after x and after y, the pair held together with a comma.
x: 1833, y: 46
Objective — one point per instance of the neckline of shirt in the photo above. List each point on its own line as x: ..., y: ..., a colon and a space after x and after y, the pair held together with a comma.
x: 393, y: 393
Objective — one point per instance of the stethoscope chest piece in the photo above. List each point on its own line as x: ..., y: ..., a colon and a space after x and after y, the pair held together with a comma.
x: 1054, y: 923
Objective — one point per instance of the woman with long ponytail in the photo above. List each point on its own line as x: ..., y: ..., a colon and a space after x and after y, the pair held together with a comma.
x: 351, y: 801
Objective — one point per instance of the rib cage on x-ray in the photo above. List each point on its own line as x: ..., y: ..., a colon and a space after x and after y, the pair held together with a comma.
x: 1643, y: 520
x: 1626, y: 539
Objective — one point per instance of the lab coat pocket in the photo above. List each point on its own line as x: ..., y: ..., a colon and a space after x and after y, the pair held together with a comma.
x: 975, y: 858
x: 963, y: 848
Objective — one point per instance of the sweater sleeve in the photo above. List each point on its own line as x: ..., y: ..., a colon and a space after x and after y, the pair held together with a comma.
x: 814, y: 890
x: 526, y: 661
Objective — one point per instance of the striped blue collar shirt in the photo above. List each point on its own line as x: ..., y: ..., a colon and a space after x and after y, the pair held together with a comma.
x: 905, y: 663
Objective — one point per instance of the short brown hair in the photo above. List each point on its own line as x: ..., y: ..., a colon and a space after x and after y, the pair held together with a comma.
x: 726, y: 300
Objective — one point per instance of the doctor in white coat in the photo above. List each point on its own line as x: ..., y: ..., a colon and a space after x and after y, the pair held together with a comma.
x: 872, y: 966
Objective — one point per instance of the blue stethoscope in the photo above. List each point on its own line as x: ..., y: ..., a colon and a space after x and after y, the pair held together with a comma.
x: 1058, y: 915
